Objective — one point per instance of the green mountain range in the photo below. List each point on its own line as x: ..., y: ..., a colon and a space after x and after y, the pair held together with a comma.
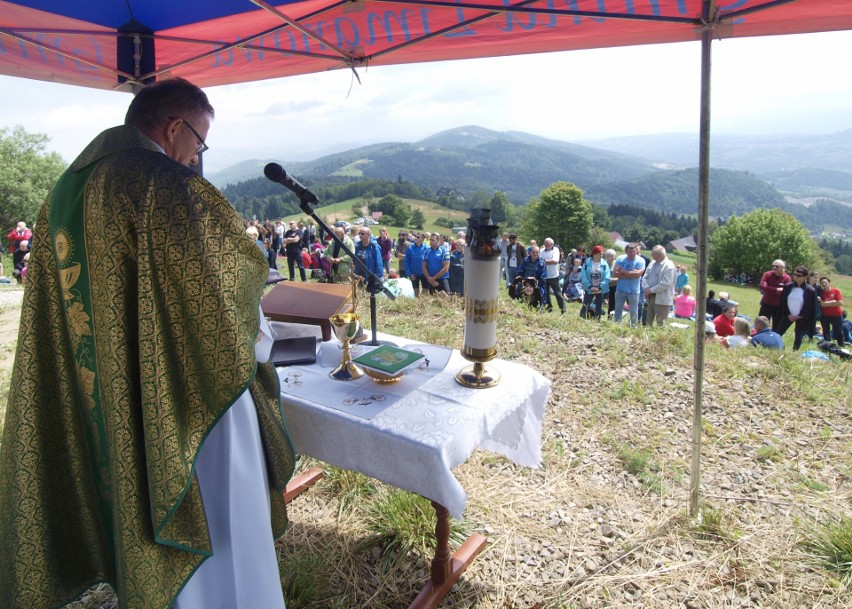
x: 645, y: 171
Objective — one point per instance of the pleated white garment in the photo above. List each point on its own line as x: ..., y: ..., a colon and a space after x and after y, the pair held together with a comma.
x: 231, y: 470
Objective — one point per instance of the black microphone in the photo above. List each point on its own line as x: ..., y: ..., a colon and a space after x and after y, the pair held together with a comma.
x: 275, y: 173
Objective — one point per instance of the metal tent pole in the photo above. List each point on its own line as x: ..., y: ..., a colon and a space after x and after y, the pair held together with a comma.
x: 703, y: 207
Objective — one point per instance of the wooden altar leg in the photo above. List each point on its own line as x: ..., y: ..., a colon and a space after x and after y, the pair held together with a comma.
x: 301, y: 483
x: 446, y: 570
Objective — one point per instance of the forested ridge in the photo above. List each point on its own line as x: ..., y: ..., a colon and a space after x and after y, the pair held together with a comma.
x: 468, y: 161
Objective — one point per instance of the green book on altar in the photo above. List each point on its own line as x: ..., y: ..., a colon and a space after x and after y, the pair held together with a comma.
x: 388, y: 359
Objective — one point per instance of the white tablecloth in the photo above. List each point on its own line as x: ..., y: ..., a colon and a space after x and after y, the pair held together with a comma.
x: 415, y: 442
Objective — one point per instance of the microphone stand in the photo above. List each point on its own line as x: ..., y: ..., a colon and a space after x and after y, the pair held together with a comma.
x: 374, y: 283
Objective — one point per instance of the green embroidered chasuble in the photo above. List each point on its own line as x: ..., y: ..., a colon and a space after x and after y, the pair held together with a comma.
x: 137, y: 334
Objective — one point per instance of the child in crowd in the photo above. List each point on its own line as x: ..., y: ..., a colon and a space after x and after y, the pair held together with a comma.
x: 26, y: 262
x: 741, y: 337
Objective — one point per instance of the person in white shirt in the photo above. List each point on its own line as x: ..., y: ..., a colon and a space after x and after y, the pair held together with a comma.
x: 550, y: 255
x: 798, y: 306
x: 659, y: 286
x: 741, y: 337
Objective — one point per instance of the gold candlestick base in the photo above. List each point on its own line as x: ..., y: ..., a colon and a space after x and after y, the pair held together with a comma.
x: 477, y: 376
x: 346, y: 326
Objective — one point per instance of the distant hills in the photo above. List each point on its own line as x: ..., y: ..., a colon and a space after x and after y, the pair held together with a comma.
x: 656, y: 171
x: 757, y: 154
x: 731, y: 192
x: 465, y: 160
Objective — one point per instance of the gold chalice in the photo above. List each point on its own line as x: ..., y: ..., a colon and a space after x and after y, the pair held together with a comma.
x: 346, y: 327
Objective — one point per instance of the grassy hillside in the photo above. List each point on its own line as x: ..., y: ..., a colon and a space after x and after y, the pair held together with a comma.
x: 432, y: 211
x: 603, y: 521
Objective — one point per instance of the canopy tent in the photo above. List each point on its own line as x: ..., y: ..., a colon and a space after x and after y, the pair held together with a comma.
x: 115, y: 44
x: 111, y: 44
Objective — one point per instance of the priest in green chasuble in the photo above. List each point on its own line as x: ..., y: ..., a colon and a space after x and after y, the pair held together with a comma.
x: 144, y: 443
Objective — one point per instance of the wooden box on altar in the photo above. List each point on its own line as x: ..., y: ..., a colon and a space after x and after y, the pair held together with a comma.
x: 307, y: 303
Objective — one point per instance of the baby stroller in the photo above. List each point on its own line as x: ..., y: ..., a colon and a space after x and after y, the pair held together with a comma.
x: 573, y: 290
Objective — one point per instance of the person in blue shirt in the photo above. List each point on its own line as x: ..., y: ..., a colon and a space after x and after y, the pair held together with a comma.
x: 846, y: 326
x: 370, y: 253
x: 764, y: 336
x: 436, y: 266
x: 682, y: 278
x: 413, y: 263
x: 595, y: 276
x: 628, y: 269
x: 533, y: 266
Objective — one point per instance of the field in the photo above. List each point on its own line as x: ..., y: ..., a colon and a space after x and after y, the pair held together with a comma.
x: 343, y: 211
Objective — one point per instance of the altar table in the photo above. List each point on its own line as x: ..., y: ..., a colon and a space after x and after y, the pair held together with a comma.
x: 415, y: 442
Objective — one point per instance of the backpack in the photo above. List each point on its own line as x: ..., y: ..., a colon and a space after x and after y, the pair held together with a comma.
x: 833, y: 349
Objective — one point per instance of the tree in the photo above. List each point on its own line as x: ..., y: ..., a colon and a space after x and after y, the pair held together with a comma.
x: 393, y: 205
x: 500, y: 205
x: 561, y: 213
x: 27, y: 172
x: 479, y: 200
x: 599, y: 236
x: 748, y: 244
x: 601, y: 217
x: 844, y: 264
x: 418, y: 219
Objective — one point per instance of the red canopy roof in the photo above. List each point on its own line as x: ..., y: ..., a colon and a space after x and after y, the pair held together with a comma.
x: 100, y: 43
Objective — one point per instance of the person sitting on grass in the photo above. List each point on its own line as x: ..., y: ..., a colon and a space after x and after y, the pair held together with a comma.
x: 711, y: 307
x: 764, y: 335
x: 684, y: 303
x: 846, y: 326
x: 725, y: 322
x: 740, y: 337
x: 399, y: 286
x: 725, y: 299
x: 710, y: 332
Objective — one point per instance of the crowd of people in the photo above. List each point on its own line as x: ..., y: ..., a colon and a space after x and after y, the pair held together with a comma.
x: 650, y: 290
x: 653, y: 290
x: 412, y: 264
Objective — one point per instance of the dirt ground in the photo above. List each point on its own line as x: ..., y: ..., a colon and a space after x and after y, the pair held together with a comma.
x: 602, y: 523
x: 10, y: 314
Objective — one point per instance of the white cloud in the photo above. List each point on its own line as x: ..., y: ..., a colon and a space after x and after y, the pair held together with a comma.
x: 775, y: 84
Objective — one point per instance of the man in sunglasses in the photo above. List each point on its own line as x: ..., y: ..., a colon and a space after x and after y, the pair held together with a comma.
x: 798, y: 307
x: 142, y: 433
x: 771, y: 285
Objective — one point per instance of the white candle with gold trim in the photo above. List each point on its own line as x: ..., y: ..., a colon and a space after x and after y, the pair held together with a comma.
x: 481, y: 284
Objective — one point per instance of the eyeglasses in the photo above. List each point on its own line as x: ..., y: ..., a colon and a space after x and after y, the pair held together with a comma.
x: 363, y: 232
x: 202, y: 145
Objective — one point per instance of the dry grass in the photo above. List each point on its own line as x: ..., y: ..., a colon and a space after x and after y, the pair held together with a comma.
x: 585, y: 529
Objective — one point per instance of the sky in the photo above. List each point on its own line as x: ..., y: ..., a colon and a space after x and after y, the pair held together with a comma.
x: 768, y: 85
